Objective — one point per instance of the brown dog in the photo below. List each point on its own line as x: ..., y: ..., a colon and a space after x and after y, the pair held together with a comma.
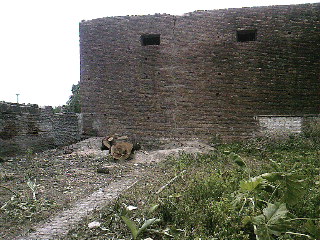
x: 119, y: 150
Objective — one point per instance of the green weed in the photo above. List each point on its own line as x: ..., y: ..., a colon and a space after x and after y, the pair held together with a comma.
x: 255, y: 190
x: 20, y: 208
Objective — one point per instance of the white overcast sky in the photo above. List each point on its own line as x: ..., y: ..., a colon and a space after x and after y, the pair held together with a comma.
x: 39, y: 40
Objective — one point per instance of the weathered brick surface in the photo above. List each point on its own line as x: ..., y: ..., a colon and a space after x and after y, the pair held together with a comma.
x: 199, y: 81
x: 25, y: 127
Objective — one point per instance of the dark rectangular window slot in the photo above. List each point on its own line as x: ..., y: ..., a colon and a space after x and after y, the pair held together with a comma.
x: 150, y: 39
x: 246, y: 35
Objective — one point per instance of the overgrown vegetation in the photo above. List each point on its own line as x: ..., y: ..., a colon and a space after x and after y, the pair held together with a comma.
x: 73, y: 104
x: 24, y: 206
x: 258, y: 189
x: 20, y: 209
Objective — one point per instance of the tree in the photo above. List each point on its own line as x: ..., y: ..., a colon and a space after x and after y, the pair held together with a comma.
x: 73, y: 104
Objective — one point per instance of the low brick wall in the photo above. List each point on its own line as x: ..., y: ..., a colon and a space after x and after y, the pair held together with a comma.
x: 24, y: 127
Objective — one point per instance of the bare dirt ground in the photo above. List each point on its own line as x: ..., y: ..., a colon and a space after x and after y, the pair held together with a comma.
x: 69, y: 177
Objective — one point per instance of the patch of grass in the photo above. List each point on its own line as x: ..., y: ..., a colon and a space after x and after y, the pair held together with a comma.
x: 20, y: 211
x: 216, y: 196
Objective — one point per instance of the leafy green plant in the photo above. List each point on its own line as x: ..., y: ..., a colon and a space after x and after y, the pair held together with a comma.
x: 284, y: 188
x: 135, y: 230
x: 237, y: 159
x: 271, y: 222
x: 260, y: 189
x: 19, y: 208
x: 33, y: 186
x: 313, y: 229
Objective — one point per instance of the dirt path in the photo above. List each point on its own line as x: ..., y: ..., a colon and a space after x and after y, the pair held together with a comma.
x: 61, y: 223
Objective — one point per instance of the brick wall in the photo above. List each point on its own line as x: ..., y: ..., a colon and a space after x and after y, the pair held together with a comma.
x: 200, y: 80
x: 24, y: 127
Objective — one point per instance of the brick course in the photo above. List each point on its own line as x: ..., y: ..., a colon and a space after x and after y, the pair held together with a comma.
x: 200, y: 81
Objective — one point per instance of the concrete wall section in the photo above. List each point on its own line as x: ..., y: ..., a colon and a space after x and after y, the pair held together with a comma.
x: 280, y: 125
x: 283, y: 126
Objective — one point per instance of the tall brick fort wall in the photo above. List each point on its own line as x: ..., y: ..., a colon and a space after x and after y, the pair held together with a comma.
x: 28, y: 127
x: 203, y: 78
